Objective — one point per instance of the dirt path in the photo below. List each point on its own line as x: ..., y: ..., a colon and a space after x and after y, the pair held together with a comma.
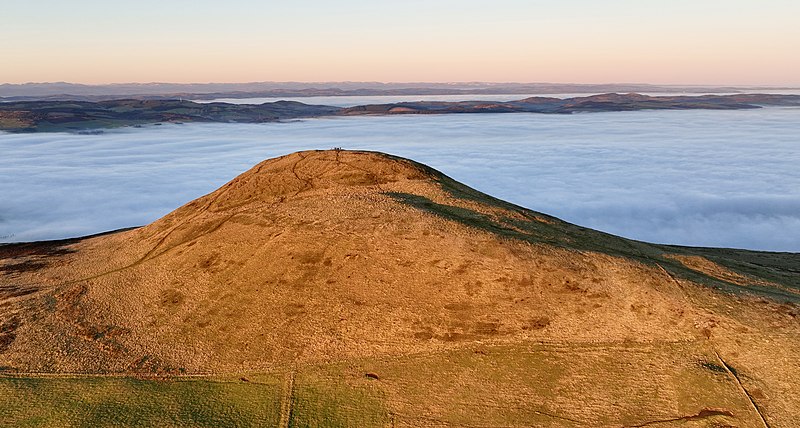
x: 288, y: 399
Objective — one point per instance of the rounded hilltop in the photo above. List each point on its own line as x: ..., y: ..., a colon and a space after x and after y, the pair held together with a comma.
x: 360, y: 259
x: 316, y: 170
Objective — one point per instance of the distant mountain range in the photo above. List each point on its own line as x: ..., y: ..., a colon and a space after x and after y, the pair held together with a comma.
x: 83, y: 116
x: 205, y: 91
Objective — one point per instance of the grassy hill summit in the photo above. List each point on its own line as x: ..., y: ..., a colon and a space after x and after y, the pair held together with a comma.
x: 348, y: 288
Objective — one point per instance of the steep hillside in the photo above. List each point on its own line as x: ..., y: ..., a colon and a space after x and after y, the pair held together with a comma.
x: 376, y: 291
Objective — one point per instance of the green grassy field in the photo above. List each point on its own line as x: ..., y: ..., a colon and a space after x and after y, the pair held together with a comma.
x: 112, y: 402
x: 671, y: 384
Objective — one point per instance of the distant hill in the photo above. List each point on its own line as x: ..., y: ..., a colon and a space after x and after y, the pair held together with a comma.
x: 588, y: 104
x: 339, y: 288
x: 71, y: 91
x: 53, y: 116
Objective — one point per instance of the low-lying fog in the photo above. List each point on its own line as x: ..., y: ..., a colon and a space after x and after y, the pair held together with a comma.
x: 356, y: 100
x: 710, y: 178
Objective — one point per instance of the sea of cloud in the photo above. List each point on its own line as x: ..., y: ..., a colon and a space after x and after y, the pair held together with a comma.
x: 709, y: 178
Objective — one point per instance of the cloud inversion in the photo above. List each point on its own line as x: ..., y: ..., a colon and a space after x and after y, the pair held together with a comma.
x: 707, y: 178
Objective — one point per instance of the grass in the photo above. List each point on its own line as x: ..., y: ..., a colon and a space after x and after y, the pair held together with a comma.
x: 537, y: 228
x: 783, y: 268
x: 319, y: 399
x: 530, y: 384
x: 130, y: 402
x: 328, y: 401
x: 504, y: 385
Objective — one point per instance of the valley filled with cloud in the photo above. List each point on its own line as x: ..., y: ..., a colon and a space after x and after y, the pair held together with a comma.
x: 701, y: 178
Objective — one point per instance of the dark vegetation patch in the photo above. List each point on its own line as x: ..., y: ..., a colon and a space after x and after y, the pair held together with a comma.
x: 423, y: 335
x: 8, y: 332
x: 10, y: 290
x: 713, y: 367
x: 58, y: 247
x: 171, y: 298
x: 536, y: 323
x: 483, y: 328
x: 148, y: 365
x: 39, y: 252
x: 782, y: 268
x: 26, y: 266
x: 43, y: 248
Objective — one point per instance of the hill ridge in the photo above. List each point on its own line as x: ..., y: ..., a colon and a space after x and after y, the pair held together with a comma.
x: 348, y: 269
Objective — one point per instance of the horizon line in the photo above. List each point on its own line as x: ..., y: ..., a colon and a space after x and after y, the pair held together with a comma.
x: 466, y: 82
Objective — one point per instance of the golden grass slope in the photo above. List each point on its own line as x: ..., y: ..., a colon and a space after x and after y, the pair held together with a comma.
x: 464, y: 308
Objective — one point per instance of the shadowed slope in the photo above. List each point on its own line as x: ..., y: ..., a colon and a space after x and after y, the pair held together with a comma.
x: 364, y: 261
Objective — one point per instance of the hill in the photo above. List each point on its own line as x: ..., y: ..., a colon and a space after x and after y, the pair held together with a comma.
x: 588, y: 104
x: 85, y: 116
x: 79, y: 92
x: 81, y: 116
x: 339, y: 288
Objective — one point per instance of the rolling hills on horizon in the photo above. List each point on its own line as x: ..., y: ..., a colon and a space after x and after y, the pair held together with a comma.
x: 160, y: 90
x: 86, y: 116
x: 346, y: 288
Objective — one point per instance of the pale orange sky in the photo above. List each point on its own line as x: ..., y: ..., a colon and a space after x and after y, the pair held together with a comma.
x: 734, y: 42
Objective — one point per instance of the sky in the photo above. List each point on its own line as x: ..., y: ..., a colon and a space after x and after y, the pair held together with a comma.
x: 697, y: 177
x: 717, y: 42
